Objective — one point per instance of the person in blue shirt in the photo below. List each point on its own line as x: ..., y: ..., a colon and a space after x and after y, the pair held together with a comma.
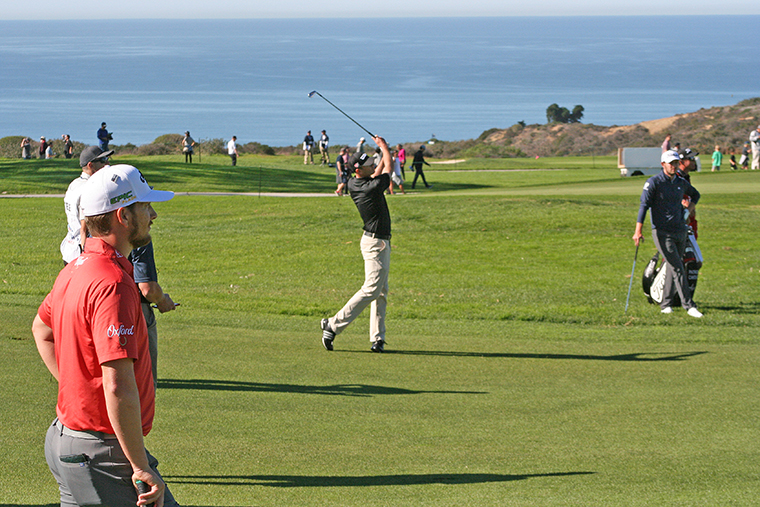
x: 663, y: 195
x: 151, y: 293
x: 103, y: 137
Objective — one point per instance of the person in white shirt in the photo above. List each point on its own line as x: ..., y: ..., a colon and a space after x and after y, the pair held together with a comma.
x: 324, y: 143
x: 754, y: 139
x: 91, y: 160
x: 396, y: 174
x: 232, y: 150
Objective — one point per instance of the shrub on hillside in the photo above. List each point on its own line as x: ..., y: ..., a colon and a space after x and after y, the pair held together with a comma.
x: 10, y: 147
x: 256, y: 149
x: 157, y: 149
x: 174, y: 140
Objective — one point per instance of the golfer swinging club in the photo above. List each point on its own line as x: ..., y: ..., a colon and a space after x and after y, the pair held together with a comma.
x: 368, y: 192
x: 663, y: 194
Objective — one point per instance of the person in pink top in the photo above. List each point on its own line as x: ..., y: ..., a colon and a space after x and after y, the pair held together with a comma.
x: 402, y: 159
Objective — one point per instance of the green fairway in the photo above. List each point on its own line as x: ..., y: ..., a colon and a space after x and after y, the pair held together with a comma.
x: 512, y: 374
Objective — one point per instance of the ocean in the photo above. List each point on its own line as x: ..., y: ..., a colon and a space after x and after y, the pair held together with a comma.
x: 407, y: 79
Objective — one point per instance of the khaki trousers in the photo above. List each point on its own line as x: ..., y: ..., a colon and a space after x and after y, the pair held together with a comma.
x: 377, y: 263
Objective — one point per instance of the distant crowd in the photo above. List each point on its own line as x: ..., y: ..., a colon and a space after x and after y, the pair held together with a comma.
x: 750, y: 150
x: 343, y: 167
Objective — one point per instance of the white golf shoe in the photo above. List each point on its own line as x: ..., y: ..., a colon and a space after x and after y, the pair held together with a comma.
x: 667, y: 309
x: 693, y: 312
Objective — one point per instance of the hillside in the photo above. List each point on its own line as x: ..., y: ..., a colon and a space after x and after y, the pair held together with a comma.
x: 727, y: 126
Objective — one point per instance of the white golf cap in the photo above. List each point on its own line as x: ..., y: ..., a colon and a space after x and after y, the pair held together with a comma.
x: 669, y: 156
x: 116, y: 186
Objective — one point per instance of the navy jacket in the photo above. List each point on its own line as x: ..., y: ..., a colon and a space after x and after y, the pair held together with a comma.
x: 663, y: 196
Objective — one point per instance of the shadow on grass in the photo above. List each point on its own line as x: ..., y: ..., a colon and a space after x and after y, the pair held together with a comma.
x: 641, y: 356
x: 359, y: 390
x: 318, y: 481
x: 741, y: 308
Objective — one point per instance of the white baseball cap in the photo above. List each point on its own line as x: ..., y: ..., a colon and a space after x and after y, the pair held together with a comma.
x: 115, y: 187
x: 669, y: 157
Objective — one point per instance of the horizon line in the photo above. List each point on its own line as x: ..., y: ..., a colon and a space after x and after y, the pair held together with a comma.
x: 350, y: 16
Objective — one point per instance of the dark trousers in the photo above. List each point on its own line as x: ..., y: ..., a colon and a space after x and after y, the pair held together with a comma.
x: 417, y: 173
x: 234, y: 159
x: 671, y: 246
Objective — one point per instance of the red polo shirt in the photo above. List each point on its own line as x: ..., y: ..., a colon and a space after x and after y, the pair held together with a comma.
x: 94, y: 312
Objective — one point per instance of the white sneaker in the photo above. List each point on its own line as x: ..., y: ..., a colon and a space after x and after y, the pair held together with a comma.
x: 694, y: 313
x: 667, y: 309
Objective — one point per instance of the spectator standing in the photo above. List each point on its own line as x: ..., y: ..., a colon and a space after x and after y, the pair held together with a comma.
x: 360, y: 145
x: 232, y: 150
x: 104, y: 137
x: 26, y: 148
x: 324, y: 144
x: 43, y: 147
x: 666, y: 143
x: 49, y: 151
x: 308, y: 146
x: 91, y: 335
x: 188, y: 145
x: 396, y: 174
x: 754, y: 139
x: 664, y: 195
x: 717, y: 159
x: 732, y: 159
x: 402, y: 159
x: 744, y: 160
x: 419, y: 159
x: 91, y: 160
x: 68, y: 146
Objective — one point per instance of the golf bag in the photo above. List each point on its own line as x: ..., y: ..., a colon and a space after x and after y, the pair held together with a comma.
x: 653, y: 281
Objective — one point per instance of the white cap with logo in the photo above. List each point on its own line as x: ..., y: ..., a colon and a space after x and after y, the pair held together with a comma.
x: 115, y: 187
x: 669, y: 157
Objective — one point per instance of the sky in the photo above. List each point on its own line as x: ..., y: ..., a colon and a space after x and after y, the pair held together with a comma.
x: 232, y: 9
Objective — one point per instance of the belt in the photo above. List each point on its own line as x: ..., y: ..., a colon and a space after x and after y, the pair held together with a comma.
x: 98, y: 435
x: 377, y: 236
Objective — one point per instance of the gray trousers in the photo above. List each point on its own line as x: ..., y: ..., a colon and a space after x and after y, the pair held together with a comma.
x: 672, y: 247
x: 377, y: 265
x: 150, y: 319
x: 91, y: 469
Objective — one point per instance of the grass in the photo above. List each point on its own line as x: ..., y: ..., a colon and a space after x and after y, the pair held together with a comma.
x: 513, y: 376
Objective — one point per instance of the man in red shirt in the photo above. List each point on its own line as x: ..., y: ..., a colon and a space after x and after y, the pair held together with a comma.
x: 91, y: 334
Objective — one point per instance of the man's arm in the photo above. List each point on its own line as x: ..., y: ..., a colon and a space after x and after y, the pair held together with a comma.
x: 153, y: 292
x: 638, y: 237
x: 82, y: 234
x: 43, y: 337
x: 386, y: 164
x: 123, y: 407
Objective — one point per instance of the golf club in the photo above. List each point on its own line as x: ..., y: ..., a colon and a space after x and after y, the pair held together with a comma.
x: 315, y: 92
x: 143, y: 488
x: 630, y: 284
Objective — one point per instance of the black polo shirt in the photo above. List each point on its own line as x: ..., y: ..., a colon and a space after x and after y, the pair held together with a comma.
x: 369, y: 196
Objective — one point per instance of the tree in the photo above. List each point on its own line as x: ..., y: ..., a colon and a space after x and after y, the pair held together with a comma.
x: 551, y: 113
x: 577, y: 114
x: 557, y: 114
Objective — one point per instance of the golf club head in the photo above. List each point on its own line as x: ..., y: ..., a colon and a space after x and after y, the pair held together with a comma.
x: 311, y: 94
